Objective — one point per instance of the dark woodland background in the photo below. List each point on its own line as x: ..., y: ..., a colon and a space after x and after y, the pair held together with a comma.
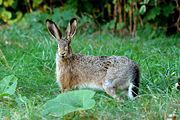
x: 118, y: 16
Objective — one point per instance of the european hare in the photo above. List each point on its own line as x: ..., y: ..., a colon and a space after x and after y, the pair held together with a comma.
x: 107, y: 73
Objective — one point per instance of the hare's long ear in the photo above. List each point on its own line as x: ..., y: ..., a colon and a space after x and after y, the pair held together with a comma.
x: 53, y: 29
x: 71, y: 28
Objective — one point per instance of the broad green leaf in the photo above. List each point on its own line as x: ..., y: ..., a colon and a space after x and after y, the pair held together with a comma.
x: 4, y: 83
x: 12, y: 87
x: 114, y: 2
x: 146, y: 1
x: 18, y: 17
x: 5, y: 15
x: 142, y: 9
x: 8, y: 85
x: 8, y: 3
x: 69, y: 102
x: 1, y: 2
x: 36, y: 3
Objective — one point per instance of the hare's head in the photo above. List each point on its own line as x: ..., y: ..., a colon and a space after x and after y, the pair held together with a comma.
x: 64, y: 49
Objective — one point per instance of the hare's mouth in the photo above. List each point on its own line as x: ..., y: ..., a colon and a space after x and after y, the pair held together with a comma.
x: 63, y: 56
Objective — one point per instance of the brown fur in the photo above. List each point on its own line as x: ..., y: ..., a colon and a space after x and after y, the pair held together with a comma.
x: 108, y: 73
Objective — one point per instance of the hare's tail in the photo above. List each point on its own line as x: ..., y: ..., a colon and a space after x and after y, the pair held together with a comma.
x: 134, y: 85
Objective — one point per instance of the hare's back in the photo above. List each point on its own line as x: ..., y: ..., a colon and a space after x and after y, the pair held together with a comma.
x: 122, y: 65
x: 102, y: 62
x: 100, y: 68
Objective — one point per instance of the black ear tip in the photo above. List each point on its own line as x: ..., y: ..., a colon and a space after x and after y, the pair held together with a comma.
x: 49, y: 21
x: 72, y: 20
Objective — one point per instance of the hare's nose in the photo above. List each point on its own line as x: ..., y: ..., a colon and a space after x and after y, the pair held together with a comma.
x: 62, y: 54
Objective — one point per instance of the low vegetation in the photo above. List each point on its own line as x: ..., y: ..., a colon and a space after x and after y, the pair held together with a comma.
x: 27, y: 52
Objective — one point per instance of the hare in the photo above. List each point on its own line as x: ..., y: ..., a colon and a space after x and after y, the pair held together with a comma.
x: 107, y: 73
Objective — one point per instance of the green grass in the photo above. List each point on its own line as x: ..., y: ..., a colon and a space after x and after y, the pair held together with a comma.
x: 30, y: 56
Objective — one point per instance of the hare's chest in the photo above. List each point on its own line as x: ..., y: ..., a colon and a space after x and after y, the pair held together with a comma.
x: 64, y: 79
x: 63, y: 75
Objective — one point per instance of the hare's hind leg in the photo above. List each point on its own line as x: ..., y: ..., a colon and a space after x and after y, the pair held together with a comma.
x: 110, y: 89
x: 133, y: 88
x: 130, y: 91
